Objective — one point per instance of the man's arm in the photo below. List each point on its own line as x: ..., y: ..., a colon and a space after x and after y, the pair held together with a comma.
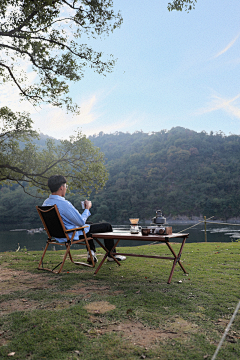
x: 71, y: 214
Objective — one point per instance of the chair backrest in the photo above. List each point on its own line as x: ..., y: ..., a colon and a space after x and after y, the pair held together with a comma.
x: 52, y: 221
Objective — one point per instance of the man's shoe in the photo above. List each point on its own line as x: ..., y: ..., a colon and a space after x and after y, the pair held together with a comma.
x: 94, y: 257
x: 118, y: 257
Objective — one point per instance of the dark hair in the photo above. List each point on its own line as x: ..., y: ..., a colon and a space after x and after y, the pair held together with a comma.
x: 55, y: 182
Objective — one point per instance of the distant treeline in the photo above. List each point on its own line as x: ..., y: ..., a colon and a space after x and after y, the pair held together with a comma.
x: 180, y: 171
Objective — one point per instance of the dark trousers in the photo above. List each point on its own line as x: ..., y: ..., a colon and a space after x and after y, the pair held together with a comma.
x: 101, y: 228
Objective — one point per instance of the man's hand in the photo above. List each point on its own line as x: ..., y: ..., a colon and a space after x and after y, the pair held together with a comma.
x: 88, y: 204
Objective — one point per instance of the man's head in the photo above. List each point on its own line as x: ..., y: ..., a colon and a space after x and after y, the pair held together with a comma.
x: 55, y: 182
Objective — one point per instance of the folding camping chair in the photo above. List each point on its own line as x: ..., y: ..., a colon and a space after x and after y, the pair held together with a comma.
x: 55, y: 228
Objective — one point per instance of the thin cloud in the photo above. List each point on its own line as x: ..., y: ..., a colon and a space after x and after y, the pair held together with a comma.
x: 227, y: 47
x: 113, y: 126
x: 87, y: 113
x: 55, y: 122
x: 220, y: 103
x: 60, y: 125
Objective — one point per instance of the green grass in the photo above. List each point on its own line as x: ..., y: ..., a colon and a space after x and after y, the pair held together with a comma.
x: 57, y: 326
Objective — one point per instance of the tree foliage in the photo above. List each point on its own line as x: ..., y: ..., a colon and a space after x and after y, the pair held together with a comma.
x: 46, y: 35
x: 179, y: 5
x: 23, y: 162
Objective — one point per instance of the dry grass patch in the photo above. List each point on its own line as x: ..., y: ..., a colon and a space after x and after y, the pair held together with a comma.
x: 182, y: 327
x: 87, y: 290
x: 141, y: 335
x: 83, y: 289
x: 7, y: 307
x: 99, y: 307
x: 18, y: 280
x: 3, y: 342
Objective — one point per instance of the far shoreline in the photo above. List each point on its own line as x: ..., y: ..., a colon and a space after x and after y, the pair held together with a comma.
x: 178, y: 220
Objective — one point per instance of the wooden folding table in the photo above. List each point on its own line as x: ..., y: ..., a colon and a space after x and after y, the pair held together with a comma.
x: 139, y: 237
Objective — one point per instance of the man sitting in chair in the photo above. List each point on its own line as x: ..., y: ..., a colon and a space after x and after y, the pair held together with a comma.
x: 72, y: 218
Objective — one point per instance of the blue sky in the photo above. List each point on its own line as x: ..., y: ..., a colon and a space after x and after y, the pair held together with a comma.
x: 173, y: 69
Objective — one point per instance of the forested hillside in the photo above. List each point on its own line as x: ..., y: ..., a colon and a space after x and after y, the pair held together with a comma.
x: 180, y: 171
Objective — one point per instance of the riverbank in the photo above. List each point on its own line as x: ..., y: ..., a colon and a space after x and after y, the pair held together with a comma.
x: 179, y: 219
x: 126, y: 312
x: 176, y: 220
x: 34, y: 241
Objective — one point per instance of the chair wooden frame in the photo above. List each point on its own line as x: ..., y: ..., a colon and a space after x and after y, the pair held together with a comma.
x: 43, y: 212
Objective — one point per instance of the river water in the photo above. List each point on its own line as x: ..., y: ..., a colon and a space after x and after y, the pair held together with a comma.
x: 10, y: 240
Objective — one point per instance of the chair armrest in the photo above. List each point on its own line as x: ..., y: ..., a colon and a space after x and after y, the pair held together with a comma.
x: 76, y: 229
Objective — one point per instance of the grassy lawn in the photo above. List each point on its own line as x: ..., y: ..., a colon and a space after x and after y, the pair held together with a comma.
x: 123, y: 312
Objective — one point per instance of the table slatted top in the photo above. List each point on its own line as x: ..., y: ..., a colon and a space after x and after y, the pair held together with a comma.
x: 128, y: 236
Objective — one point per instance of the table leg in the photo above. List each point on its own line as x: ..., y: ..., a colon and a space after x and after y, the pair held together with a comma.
x: 106, y: 254
x: 177, y: 259
x: 111, y: 254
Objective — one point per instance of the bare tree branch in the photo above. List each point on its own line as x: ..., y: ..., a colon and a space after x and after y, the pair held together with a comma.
x: 18, y: 85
